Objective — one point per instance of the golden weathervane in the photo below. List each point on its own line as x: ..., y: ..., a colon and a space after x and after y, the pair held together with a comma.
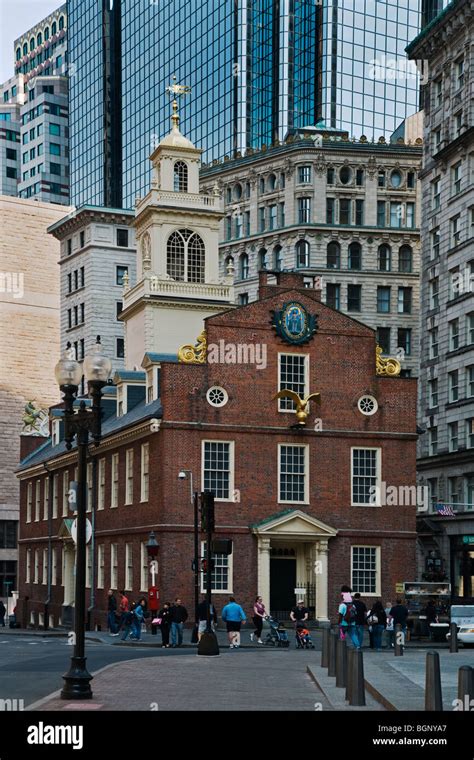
x: 175, y: 91
x: 301, y: 404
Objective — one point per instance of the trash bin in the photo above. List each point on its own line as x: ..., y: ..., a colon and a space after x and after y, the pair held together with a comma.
x: 438, y: 631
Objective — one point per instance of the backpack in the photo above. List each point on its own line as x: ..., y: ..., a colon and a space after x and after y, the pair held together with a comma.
x: 350, y: 614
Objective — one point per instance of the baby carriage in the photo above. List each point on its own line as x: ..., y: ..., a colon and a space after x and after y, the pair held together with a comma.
x: 277, y: 635
x: 303, y: 639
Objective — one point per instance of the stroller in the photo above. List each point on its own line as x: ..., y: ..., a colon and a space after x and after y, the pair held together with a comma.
x: 277, y: 635
x: 303, y: 639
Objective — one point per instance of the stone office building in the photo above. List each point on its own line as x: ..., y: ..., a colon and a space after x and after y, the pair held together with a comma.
x: 346, y: 211
x: 446, y: 410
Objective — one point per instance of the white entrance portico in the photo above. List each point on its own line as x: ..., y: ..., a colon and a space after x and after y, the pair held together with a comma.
x: 293, y: 534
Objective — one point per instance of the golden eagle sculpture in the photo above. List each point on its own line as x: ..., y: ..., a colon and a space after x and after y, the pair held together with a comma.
x: 301, y: 404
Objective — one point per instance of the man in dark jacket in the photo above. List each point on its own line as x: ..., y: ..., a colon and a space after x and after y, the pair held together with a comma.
x: 399, y: 613
x: 2, y: 614
x: 361, y: 617
x: 202, y: 617
x: 179, y: 615
x: 111, y: 613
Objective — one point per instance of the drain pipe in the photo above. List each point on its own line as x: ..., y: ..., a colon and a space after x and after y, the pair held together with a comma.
x: 50, y: 546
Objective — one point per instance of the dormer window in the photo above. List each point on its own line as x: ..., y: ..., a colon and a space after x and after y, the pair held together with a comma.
x: 120, y: 409
x: 152, y: 384
x: 55, y: 432
x: 180, y: 177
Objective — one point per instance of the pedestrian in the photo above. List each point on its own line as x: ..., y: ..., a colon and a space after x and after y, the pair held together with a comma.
x: 377, y: 619
x: 233, y: 616
x: 112, y: 613
x: 347, y: 613
x: 3, y: 609
x: 202, y: 617
x: 164, y: 616
x: 361, y: 618
x: 399, y: 615
x: 127, y: 625
x: 431, y: 616
x: 138, y: 620
x: 300, y: 612
x: 179, y: 615
x: 124, y: 607
x: 259, y: 615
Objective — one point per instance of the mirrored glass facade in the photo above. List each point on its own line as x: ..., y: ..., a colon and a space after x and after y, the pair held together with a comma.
x: 257, y: 68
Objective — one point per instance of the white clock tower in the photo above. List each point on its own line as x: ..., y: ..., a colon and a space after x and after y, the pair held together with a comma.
x: 177, y: 231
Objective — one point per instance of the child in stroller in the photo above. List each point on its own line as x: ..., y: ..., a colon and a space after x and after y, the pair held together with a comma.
x: 303, y: 638
x: 277, y: 635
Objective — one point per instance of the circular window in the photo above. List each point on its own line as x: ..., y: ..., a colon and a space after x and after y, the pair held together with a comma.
x: 367, y: 405
x: 217, y: 396
x: 345, y: 175
x: 396, y: 178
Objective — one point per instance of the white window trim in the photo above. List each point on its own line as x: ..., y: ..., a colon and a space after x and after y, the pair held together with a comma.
x: 100, y: 485
x: 114, y: 566
x: 46, y: 498
x: 306, y: 377
x: 29, y: 501
x: 36, y: 566
x: 38, y: 501
x: 89, y: 494
x: 231, y: 465
x: 144, y: 447
x: 65, y: 500
x: 378, y: 568
x: 129, y: 461
x: 54, y: 566
x: 306, y: 473
x: 88, y: 566
x: 143, y: 572
x: 45, y: 567
x: 28, y: 566
x: 55, y: 496
x: 100, y: 565
x: 114, y: 481
x: 230, y: 573
x: 376, y: 502
x: 128, y: 567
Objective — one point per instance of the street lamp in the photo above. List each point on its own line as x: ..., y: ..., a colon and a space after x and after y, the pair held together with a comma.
x: 97, y: 369
x: 183, y: 474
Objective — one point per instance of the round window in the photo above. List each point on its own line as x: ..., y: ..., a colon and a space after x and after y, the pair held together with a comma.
x: 345, y: 175
x: 367, y: 405
x: 217, y: 396
x: 396, y: 178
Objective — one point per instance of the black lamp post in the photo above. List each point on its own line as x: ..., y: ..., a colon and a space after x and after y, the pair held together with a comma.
x: 152, y: 546
x: 97, y: 369
x: 196, y: 562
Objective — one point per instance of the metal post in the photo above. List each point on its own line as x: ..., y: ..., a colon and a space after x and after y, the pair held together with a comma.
x: 332, y: 653
x: 77, y: 679
x: 465, y: 686
x: 357, y: 692
x: 350, y: 653
x: 433, y: 695
x: 453, y: 640
x: 208, y: 644
x: 325, y: 648
x: 341, y: 663
x: 196, y: 558
x: 399, y: 640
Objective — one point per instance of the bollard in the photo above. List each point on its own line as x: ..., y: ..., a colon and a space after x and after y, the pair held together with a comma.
x: 357, y: 692
x: 453, y: 640
x: 433, y: 695
x: 332, y: 653
x: 465, y: 686
x: 325, y: 649
x: 341, y: 663
x: 350, y: 653
x: 399, y: 640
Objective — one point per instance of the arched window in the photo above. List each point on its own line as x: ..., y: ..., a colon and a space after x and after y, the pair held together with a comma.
x: 61, y: 23
x: 262, y: 259
x: 262, y: 184
x: 229, y: 265
x: 271, y: 182
x: 237, y: 191
x: 333, y: 255
x: 39, y: 39
x: 302, y: 254
x: 405, y: 259
x: 25, y: 49
x: 355, y: 256
x: 46, y: 33
x: 384, y: 258
x: 180, y: 177
x: 277, y: 257
x: 18, y: 53
x: 53, y: 27
x: 32, y: 44
x: 244, y: 266
x: 185, y: 256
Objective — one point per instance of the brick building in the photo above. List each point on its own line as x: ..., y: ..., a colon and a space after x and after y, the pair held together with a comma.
x: 294, y: 498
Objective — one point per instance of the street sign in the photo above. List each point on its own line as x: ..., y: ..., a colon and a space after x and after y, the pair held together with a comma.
x: 154, y: 566
x: 300, y: 591
x: 468, y: 539
x: 88, y: 531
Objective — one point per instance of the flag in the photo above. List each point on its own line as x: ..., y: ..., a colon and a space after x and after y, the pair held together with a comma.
x: 444, y: 510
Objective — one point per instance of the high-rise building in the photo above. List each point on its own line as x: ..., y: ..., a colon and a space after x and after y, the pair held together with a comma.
x: 446, y: 405
x: 346, y: 212
x: 34, y: 105
x: 256, y: 69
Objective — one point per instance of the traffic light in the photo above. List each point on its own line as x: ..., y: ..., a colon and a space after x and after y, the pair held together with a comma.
x: 207, y: 511
x: 204, y: 565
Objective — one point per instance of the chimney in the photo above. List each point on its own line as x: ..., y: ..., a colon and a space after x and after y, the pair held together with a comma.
x: 309, y: 284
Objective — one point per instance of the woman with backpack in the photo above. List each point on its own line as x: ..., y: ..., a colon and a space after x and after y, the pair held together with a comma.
x: 139, y: 619
x: 377, y: 620
x: 347, y: 615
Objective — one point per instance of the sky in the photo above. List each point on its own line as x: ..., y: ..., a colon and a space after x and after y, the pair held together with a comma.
x: 16, y: 17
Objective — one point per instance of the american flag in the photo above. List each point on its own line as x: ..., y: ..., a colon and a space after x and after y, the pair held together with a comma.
x: 443, y: 509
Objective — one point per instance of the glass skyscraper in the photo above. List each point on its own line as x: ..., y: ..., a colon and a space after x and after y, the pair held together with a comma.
x: 257, y: 68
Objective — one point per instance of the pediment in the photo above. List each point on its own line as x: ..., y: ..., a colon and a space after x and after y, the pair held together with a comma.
x: 296, y: 524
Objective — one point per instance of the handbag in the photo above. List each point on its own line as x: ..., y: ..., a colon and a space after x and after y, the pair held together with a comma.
x: 156, y: 621
x: 372, y: 620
